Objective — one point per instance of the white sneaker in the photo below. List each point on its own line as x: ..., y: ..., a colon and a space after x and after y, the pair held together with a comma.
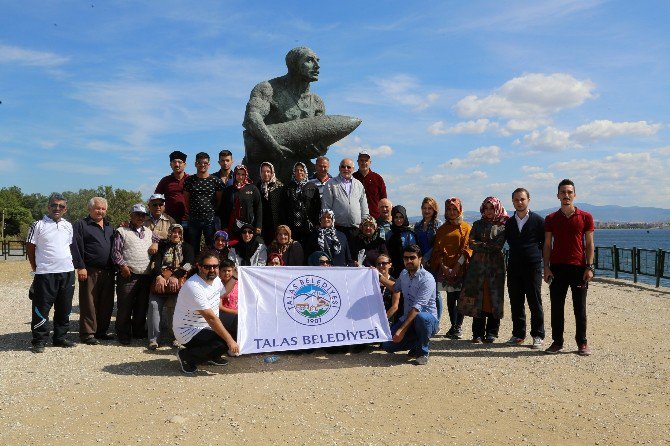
x: 537, y: 343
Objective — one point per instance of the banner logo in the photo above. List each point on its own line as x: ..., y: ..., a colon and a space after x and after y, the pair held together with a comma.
x: 311, y: 300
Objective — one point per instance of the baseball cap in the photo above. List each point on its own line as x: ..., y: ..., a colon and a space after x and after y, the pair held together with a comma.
x: 139, y: 208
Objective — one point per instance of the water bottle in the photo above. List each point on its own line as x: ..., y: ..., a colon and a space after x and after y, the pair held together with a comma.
x: 271, y: 359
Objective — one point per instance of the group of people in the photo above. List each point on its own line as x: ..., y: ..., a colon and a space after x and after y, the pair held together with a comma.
x: 174, y: 264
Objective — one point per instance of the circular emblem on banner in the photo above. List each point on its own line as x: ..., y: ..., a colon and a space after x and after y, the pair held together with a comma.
x: 311, y: 300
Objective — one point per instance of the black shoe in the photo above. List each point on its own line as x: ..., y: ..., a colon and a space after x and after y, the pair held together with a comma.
x: 105, y: 336
x: 66, y: 343
x: 221, y: 361
x: 124, y: 341
x: 90, y: 341
x: 422, y: 360
x: 413, y: 354
x: 186, y: 367
x: 37, y: 348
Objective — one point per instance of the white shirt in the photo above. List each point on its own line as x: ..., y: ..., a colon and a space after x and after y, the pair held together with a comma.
x: 195, y: 295
x: 346, y: 183
x: 521, y: 221
x: 52, y: 242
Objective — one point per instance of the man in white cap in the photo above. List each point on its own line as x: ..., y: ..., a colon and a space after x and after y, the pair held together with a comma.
x: 375, y: 188
x: 130, y: 253
x: 158, y: 221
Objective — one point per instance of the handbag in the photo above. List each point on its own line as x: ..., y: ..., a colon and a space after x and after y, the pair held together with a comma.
x: 166, y: 273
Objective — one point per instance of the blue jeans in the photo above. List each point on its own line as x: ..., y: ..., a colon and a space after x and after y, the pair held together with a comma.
x: 417, y: 336
x: 198, y: 228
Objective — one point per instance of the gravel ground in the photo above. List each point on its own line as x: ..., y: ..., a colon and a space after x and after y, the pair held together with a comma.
x: 467, y: 394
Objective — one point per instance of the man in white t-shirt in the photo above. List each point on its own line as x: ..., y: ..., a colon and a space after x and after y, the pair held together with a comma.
x: 49, y: 252
x: 196, y: 322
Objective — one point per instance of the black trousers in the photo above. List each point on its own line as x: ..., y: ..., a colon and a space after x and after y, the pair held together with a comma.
x: 485, y: 325
x: 568, y: 276
x: 51, y: 290
x: 132, y: 302
x: 205, y: 345
x: 525, y: 284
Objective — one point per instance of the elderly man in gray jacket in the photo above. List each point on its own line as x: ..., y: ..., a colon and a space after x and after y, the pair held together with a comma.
x: 345, y: 195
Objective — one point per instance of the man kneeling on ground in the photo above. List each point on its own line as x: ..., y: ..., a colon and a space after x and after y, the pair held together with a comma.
x: 419, y: 321
x: 196, y: 321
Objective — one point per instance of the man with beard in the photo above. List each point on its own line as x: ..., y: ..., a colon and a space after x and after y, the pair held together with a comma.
x: 172, y: 187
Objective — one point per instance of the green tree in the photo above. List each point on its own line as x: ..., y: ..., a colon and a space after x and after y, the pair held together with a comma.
x: 17, y: 217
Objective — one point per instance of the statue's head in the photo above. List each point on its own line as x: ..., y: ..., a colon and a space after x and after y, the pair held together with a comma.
x: 304, y: 63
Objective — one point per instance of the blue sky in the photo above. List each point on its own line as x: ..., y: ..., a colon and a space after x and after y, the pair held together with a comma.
x: 457, y: 98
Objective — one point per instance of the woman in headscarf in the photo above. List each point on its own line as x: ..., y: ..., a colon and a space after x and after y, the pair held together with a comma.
x: 426, y: 229
x: 483, y: 287
x: 241, y: 203
x: 451, y: 253
x: 250, y: 249
x: 319, y: 258
x: 367, y: 244
x: 170, y: 264
x: 271, y: 190
x: 289, y: 249
x: 221, y: 246
x: 330, y: 240
x: 401, y: 237
x: 274, y: 259
x: 301, y: 204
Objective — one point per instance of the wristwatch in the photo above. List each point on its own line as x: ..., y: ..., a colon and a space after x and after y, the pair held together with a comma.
x: 592, y: 267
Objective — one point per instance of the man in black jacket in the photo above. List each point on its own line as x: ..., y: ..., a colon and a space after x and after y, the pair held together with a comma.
x: 524, y: 233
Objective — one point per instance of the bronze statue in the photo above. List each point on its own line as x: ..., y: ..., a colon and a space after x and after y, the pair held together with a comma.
x: 285, y: 123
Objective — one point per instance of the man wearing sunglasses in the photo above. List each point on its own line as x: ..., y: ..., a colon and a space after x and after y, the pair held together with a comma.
x: 419, y: 320
x: 196, y: 322
x: 49, y: 247
x: 345, y: 195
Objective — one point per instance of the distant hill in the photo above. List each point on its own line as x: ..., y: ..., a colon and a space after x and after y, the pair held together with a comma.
x: 606, y: 213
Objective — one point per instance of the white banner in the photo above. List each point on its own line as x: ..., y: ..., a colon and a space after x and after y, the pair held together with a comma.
x: 298, y: 307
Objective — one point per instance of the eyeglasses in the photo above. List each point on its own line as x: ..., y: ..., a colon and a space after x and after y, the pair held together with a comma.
x: 57, y: 206
x: 346, y: 167
x: 383, y: 263
x: 409, y: 257
x: 210, y: 267
x: 324, y: 262
x: 247, y: 231
x: 156, y: 205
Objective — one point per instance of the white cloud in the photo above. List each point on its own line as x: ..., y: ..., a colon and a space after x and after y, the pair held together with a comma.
x: 406, y: 90
x: 481, y: 155
x: 543, y: 176
x: 22, y: 56
x: 603, y: 129
x: 7, y: 165
x: 550, y: 139
x: 352, y: 146
x: 413, y: 170
x: 531, y: 169
x: 479, y: 126
x: 75, y: 167
x: 525, y: 125
x: 529, y: 96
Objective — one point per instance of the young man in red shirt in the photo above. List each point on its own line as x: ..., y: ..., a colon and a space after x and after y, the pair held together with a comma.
x: 568, y: 262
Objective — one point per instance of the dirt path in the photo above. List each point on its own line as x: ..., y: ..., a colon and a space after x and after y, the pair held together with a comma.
x: 467, y: 394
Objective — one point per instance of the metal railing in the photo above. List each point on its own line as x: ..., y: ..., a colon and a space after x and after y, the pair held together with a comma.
x: 633, y: 261
x: 13, y: 248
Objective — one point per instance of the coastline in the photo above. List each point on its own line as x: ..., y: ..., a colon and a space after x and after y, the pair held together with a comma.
x: 467, y: 394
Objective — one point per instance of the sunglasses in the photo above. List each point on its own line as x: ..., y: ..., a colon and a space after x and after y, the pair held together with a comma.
x: 156, y: 205
x: 210, y: 267
x: 247, y: 231
x: 346, y: 167
x: 56, y: 206
x: 383, y: 263
x: 324, y: 262
x: 409, y: 257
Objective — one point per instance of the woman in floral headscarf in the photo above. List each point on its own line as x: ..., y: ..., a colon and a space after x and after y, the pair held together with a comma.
x: 483, y: 287
x: 449, y: 259
x: 241, y: 202
x: 301, y: 204
x: 271, y: 190
x: 290, y: 250
x: 367, y: 245
x: 330, y: 240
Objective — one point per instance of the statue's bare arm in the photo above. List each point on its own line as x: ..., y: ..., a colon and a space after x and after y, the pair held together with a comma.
x: 258, y: 108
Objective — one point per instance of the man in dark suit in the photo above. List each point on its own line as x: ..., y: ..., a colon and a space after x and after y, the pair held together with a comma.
x: 524, y: 233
